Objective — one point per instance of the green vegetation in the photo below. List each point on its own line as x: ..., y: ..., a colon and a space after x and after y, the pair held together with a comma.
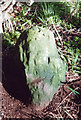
x: 65, y: 16
x: 74, y: 91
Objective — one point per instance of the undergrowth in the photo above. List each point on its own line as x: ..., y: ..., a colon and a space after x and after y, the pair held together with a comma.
x: 66, y: 17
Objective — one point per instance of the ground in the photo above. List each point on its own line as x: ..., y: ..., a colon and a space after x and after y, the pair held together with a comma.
x: 65, y: 103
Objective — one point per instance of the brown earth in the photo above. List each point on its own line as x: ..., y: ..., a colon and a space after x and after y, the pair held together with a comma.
x: 65, y: 104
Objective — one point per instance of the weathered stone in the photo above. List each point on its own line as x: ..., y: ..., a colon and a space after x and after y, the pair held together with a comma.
x: 43, y: 66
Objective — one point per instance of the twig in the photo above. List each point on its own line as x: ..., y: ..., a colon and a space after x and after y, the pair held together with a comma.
x: 35, y: 11
x: 57, y: 34
x: 71, y: 13
x: 59, y: 114
x: 76, y: 34
x: 7, y: 7
x: 36, y: 81
x: 24, y: 23
x: 78, y: 104
x: 68, y: 82
x: 68, y: 113
x: 65, y: 98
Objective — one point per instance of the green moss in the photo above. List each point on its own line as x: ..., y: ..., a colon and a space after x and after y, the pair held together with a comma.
x: 41, y: 60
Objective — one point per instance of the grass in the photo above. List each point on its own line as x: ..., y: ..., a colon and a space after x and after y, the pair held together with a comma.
x: 45, y: 14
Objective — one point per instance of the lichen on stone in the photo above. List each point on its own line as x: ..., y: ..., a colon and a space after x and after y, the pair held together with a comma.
x: 41, y: 60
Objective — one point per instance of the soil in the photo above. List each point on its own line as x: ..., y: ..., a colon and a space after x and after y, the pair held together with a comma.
x: 65, y: 103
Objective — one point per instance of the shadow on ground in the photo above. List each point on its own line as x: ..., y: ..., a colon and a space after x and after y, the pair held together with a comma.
x: 13, y: 76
